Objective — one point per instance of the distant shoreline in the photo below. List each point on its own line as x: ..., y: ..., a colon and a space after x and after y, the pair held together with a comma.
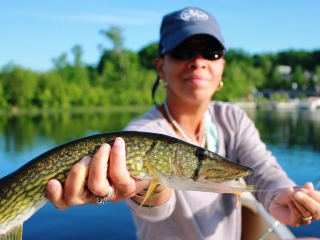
x: 267, y: 105
x: 311, y: 103
x: 93, y: 109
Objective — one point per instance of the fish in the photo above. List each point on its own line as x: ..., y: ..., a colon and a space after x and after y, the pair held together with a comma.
x: 159, y: 158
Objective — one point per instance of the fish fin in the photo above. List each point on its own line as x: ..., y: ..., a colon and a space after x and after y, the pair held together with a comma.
x: 14, y: 234
x: 237, y: 198
x: 151, y: 188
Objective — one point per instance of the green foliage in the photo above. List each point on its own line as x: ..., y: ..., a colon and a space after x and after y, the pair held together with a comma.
x: 125, y: 78
x: 299, y: 77
x: 234, y: 55
x: 147, y: 56
x: 297, y: 58
x: 3, y: 102
x: 114, y: 34
x: 18, y: 86
x: 240, y: 79
x: 316, y: 77
x: 278, y: 97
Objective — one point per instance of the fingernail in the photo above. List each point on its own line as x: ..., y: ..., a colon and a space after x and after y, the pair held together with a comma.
x: 290, y: 192
x: 51, y: 187
x: 299, y: 196
x: 118, y: 142
x: 105, y: 147
x: 86, y: 160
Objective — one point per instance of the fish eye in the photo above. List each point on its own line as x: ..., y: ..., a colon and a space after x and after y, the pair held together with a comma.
x: 201, y: 153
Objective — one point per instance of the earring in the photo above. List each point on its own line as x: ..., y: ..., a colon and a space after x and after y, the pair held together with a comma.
x: 220, y: 86
x: 164, y: 83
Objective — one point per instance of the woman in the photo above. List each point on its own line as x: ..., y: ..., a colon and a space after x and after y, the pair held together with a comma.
x: 191, y: 64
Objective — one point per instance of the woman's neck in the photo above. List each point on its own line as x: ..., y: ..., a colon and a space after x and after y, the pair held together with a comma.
x: 189, y: 117
x: 187, y: 113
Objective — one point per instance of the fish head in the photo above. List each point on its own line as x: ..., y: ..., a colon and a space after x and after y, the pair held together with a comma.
x: 197, y: 168
x: 196, y: 162
x: 214, y: 167
x: 183, y: 166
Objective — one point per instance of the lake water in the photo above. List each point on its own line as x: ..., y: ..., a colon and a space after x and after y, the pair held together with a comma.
x: 292, y: 136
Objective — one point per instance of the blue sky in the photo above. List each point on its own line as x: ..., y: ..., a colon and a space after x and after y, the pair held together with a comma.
x: 34, y: 32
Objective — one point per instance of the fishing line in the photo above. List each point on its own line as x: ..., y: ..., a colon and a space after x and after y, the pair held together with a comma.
x: 315, y: 182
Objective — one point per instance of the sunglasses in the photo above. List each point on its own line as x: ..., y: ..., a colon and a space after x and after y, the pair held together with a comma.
x: 185, y: 52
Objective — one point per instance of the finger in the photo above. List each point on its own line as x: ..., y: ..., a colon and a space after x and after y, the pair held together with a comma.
x: 125, y: 185
x: 311, y: 200
x: 54, y: 193
x: 293, y: 194
x: 308, y: 188
x: 75, y: 191
x: 295, y: 219
x: 308, y: 185
x: 97, y: 181
x: 311, y: 205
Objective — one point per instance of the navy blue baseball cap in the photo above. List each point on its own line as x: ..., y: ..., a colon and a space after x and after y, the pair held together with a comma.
x: 180, y: 25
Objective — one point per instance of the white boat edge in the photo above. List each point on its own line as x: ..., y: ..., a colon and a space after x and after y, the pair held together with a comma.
x: 257, y: 221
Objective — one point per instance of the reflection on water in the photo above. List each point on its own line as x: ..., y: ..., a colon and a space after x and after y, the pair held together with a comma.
x: 17, y: 133
x: 292, y: 136
x: 292, y: 129
x: 289, y: 129
x: 25, y: 137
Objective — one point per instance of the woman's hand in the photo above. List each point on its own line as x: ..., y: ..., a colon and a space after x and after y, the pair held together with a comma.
x: 105, y: 162
x: 296, y: 206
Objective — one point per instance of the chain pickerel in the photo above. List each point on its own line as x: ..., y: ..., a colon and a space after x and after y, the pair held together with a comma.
x: 155, y: 157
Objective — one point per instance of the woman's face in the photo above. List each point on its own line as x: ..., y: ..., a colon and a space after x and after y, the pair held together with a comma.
x: 193, y: 78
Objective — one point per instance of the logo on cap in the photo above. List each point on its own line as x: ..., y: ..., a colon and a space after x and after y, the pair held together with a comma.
x: 192, y: 14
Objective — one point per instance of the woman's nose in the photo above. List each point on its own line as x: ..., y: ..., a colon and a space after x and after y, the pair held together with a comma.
x: 197, y: 61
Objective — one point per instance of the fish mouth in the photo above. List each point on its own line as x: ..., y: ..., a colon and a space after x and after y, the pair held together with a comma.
x: 203, y: 185
x: 224, y: 169
x: 224, y: 175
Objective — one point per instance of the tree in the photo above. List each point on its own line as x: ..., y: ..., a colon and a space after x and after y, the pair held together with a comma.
x: 316, y: 77
x: 296, y: 58
x: 113, y: 61
x: 19, y: 86
x: 75, y: 73
x: 77, y: 52
x: 51, y: 91
x: 238, y: 55
x: 78, y: 73
x: 236, y: 84
x: 299, y: 77
x: 147, y: 55
x: 115, y: 35
x: 3, y: 102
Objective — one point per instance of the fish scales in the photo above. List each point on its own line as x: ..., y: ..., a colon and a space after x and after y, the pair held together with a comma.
x: 149, y: 156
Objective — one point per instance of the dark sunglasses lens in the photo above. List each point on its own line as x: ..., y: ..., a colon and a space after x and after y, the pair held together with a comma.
x: 187, y: 52
x: 211, y: 54
x: 182, y: 53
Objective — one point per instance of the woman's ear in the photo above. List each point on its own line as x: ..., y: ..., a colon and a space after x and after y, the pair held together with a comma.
x: 159, y: 62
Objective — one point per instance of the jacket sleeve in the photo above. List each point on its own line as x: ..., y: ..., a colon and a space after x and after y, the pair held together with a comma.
x: 153, y: 214
x: 243, y: 144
